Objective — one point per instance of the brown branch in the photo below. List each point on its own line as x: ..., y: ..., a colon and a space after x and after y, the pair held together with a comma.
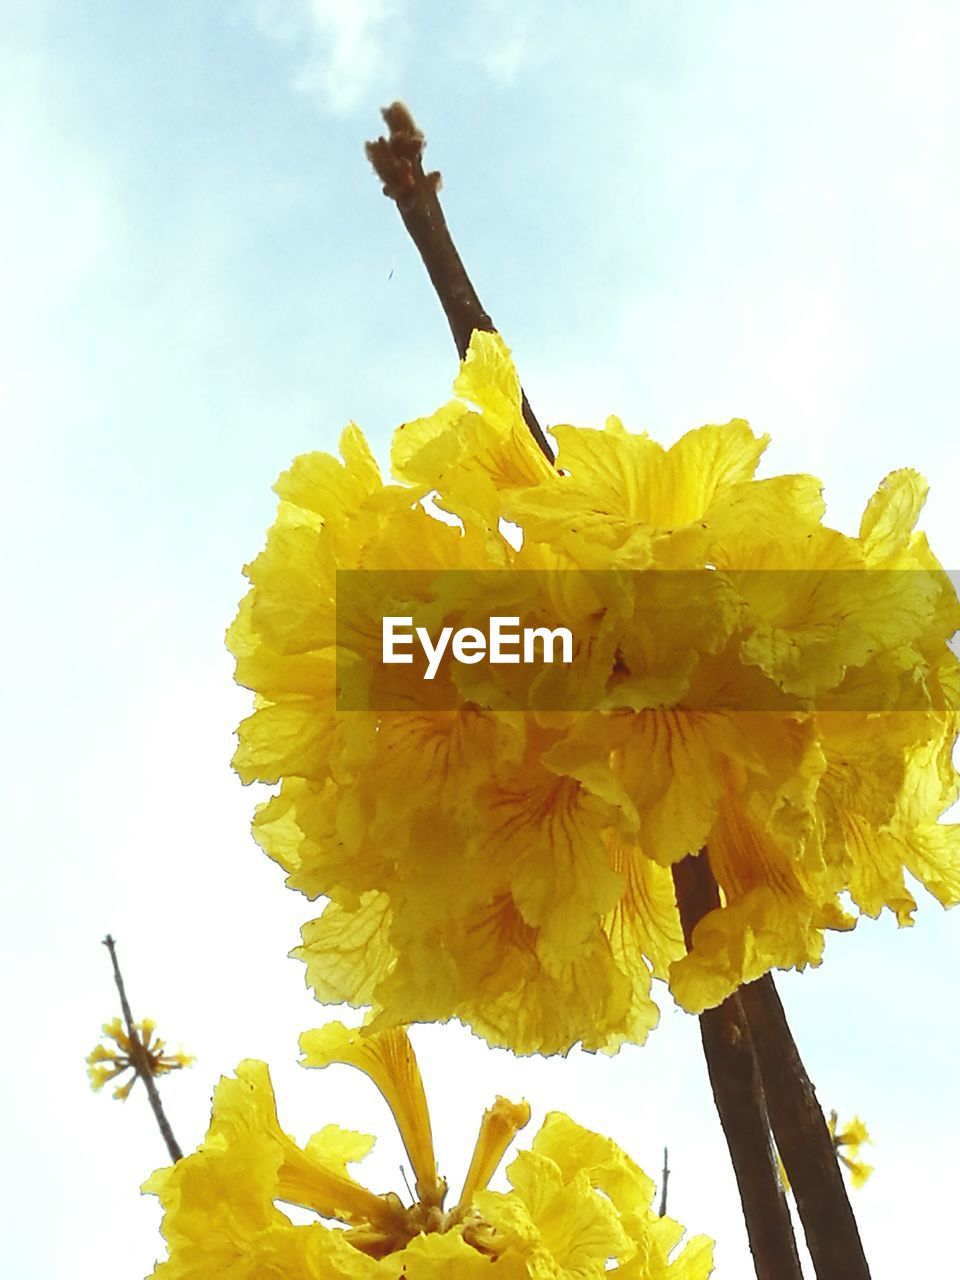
x: 398, y: 161
x: 139, y: 1060
x: 804, y: 1141
x: 737, y: 1091
x: 663, y: 1186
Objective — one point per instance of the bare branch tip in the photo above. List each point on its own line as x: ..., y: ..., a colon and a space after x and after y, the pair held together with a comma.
x: 398, y: 158
x: 398, y: 120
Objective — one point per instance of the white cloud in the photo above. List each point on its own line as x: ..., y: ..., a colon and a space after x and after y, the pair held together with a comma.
x: 506, y: 40
x: 342, y: 48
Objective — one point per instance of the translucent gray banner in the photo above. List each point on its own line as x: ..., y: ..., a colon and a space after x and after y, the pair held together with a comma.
x: 708, y: 639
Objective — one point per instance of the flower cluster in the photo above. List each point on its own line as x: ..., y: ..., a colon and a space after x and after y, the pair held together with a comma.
x: 577, y: 1205
x: 144, y: 1054
x: 792, y: 718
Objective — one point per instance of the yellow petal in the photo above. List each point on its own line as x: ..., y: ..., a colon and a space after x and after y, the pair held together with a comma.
x: 387, y: 1057
x: 348, y: 953
x: 892, y: 513
x: 500, y: 1125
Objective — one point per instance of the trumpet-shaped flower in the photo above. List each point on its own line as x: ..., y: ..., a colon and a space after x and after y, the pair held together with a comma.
x: 578, y: 1206
x: 143, y: 1054
x: 747, y: 685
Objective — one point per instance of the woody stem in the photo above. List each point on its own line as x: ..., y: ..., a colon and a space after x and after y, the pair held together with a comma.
x: 739, y: 1097
x: 398, y: 162
x: 665, y: 1178
x: 138, y: 1059
x: 806, y: 1146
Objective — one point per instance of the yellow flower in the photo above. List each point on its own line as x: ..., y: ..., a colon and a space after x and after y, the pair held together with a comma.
x: 746, y: 681
x: 848, y: 1142
x: 144, y: 1055
x: 852, y: 1137
x: 578, y: 1205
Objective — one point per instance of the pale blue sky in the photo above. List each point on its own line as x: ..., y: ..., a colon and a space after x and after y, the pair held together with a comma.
x: 677, y: 211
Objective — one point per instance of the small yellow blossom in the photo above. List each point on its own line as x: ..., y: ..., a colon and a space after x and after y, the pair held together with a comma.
x: 578, y: 1205
x: 792, y: 718
x: 146, y: 1055
x: 848, y: 1142
x: 852, y: 1137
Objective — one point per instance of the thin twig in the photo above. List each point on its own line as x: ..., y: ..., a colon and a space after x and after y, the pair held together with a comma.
x: 139, y: 1060
x: 663, y: 1184
x: 738, y: 1093
x: 804, y: 1141
x: 398, y: 161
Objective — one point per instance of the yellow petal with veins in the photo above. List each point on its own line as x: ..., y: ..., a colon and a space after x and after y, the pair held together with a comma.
x: 388, y: 1059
